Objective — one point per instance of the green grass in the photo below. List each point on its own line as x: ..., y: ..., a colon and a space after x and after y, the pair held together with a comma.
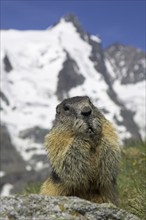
x: 131, y: 181
x: 32, y: 189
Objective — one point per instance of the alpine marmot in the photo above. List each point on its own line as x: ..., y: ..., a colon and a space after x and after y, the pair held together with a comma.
x: 84, y: 152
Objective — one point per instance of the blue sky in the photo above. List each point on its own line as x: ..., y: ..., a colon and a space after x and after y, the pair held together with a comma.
x: 114, y: 21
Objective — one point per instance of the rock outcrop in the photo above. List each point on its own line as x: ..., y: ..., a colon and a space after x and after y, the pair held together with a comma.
x: 39, y: 207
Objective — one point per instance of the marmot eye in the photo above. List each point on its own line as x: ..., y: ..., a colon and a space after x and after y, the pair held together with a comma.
x: 66, y: 107
x: 86, y: 111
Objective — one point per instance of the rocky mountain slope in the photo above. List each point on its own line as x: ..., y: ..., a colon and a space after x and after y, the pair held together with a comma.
x: 40, y: 68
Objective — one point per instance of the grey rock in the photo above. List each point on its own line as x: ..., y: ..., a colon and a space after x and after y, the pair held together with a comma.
x: 15, y: 167
x: 123, y: 57
x: 9, y: 155
x: 69, y: 77
x: 37, y: 207
x: 97, y: 57
x: 7, y: 64
x: 4, y: 98
x: 36, y: 133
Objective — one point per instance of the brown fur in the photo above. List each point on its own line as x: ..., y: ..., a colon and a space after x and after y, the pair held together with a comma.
x: 84, y: 153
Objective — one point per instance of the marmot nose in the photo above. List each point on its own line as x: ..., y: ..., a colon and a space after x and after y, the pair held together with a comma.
x: 86, y: 111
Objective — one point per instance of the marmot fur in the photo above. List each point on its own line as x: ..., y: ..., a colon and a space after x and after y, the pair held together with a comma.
x: 84, y: 152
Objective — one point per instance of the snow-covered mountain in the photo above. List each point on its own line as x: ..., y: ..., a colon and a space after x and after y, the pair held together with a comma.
x: 127, y: 68
x: 40, y: 68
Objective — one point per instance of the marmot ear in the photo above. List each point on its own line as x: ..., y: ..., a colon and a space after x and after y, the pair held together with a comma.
x: 58, y: 109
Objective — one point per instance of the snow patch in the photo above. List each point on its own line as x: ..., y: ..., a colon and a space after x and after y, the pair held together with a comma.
x: 2, y: 173
x: 6, y: 189
x: 95, y: 38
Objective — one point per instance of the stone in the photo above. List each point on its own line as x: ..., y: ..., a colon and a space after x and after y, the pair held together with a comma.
x: 38, y: 207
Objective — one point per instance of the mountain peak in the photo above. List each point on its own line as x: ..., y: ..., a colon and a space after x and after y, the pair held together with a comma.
x: 75, y: 21
x: 72, y: 18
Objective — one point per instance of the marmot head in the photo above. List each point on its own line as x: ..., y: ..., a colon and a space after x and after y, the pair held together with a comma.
x: 80, y: 116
